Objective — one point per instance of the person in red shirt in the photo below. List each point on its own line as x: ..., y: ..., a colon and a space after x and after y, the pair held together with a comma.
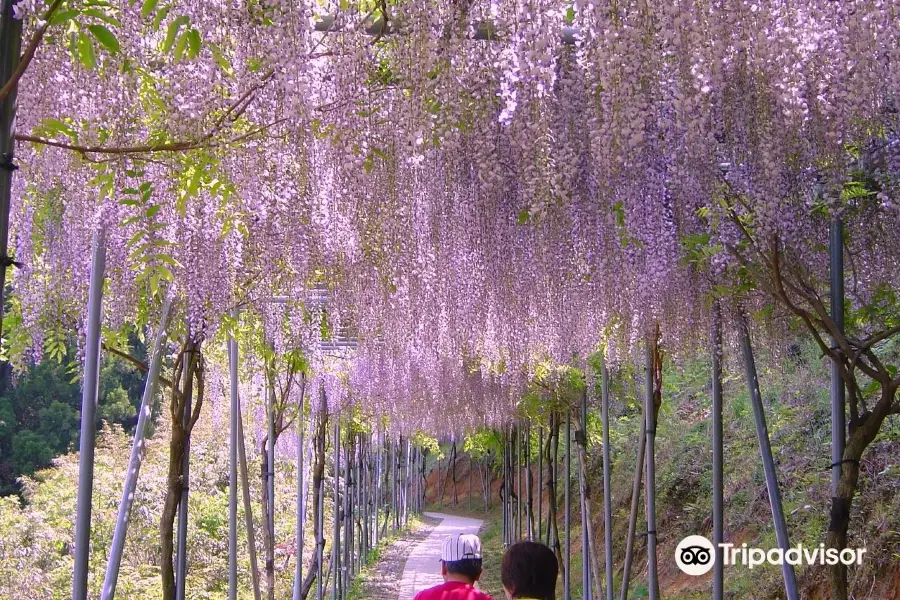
x: 461, y: 568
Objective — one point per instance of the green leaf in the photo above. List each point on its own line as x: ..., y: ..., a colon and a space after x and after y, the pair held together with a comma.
x: 129, y: 221
x: 63, y: 16
x: 148, y: 7
x: 523, y: 217
x: 172, y: 32
x: 165, y: 273
x: 168, y: 260
x: 158, y: 19
x: 196, y: 179
x: 105, y: 37
x: 55, y: 126
x: 220, y: 59
x: 85, y: 48
x: 102, y: 16
x: 135, y: 238
x: 194, y: 43
x: 181, y: 46
x: 151, y: 212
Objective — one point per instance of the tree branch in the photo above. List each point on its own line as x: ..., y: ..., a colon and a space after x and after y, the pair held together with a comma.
x: 29, y: 53
x: 182, y: 146
x: 140, y: 366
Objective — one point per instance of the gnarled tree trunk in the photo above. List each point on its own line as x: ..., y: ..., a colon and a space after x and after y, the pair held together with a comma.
x: 188, y: 366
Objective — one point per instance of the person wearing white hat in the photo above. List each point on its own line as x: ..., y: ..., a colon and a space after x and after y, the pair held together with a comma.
x: 460, y: 568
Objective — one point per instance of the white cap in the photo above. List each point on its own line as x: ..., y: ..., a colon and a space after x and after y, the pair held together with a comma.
x: 460, y: 546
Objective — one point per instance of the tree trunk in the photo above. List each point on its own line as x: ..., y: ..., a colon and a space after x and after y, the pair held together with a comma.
x: 184, y: 372
x: 552, y: 502
x: 318, y: 478
x: 453, y: 481
x: 170, y: 509
x: 635, y: 504
x: 861, y: 435
x: 268, y: 542
x: 581, y: 444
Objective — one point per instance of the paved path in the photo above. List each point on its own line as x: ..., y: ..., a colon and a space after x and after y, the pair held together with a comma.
x: 423, y: 567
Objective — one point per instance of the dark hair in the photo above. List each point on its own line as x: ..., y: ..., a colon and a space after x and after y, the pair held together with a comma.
x: 530, y: 570
x: 467, y: 567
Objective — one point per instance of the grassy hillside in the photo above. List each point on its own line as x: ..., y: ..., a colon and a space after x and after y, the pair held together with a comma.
x: 795, y: 392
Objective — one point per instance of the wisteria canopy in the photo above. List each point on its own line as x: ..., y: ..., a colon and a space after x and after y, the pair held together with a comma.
x: 480, y: 186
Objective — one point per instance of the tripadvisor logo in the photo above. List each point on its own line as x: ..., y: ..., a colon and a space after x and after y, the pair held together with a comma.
x: 696, y: 555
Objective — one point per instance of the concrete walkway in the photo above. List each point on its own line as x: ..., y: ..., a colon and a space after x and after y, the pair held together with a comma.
x: 423, y: 567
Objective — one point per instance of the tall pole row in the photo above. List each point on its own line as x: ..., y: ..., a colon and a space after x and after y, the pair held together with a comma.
x: 87, y: 442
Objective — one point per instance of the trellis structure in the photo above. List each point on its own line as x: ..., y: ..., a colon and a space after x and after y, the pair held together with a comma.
x: 651, y: 171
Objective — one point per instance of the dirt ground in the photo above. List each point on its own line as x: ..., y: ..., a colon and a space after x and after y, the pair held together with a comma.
x: 381, y: 580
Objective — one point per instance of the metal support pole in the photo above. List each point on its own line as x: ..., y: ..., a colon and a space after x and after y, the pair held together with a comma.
x: 718, y: 457
x: 392, y: 456
x: 540, y: 494
x: 635, y: 502
x: 320, y: 527
x: 364, y: 474
x: 248, y: 506
x: 585, y: 529
x: 137, y: 455
x: 336, y: 542
x: 765, y: 450
x: 838, y: 402
x: 607, y: 485
x: 505, y: 486
x: 182, y: 549
x: 378, y: 476
x: 301, y: 498
x: 88, y: 419
x: 406, y: 486
x: 233, y: 467
x: 270, y: 472
x: 520, y: 507
x: 567, y: 576
x: 346, y: 513
x: 650, y: 496
x: 11, y: 41
x: 471, y: 465
x: 529, y: 502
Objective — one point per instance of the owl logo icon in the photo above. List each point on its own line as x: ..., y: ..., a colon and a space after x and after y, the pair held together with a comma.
x: 695, y: 555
